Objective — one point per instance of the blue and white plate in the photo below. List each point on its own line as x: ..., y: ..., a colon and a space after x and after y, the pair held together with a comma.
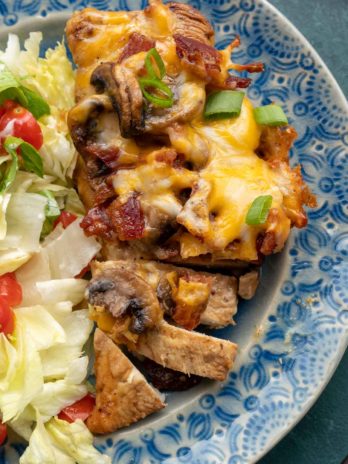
x: 292, y: 335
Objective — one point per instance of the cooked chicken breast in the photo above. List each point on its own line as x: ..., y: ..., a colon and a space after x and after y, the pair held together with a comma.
x: 188, y: 297
x: 123, y: 395
x: 186, y: 351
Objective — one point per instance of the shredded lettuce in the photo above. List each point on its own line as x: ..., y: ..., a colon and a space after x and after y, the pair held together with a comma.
x: 71, y: 252
x: 25, y: 215
x: 27, y: 379
x: 47, y: 76
x: 58, y: 441
x: 43, y: 365
x: 54, y: 291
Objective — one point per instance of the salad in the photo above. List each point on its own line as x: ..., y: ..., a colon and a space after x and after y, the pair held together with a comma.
x: 44, y: 254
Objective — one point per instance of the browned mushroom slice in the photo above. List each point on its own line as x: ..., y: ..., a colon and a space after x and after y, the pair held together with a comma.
x: 128, y: 298
x: 80, y: 115
x: 123, y: 88
x: 248, y: 283
x: 189, y: 100
x: 123, y: 395
x: 191, y: 23
x: 186, y: 351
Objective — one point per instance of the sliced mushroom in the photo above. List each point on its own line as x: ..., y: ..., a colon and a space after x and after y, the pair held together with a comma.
x: 189, y: 22
x: 189, y: 100
x: 128, y: 298
x: 135, y: 117
x: 81, y: 116
x: 124, y: 91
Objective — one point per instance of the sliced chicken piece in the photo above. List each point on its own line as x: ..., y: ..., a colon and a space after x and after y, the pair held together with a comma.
x: 222, y: 305
x: 123, y: 395
x: 186, y: 351
x: 248, y: 284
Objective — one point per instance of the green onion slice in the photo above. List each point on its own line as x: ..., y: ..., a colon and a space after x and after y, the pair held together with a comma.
x: 258, y: 210
x: 153, y: 53
x: 223, y: 104
x: 270, y: 115
x: 165, y: 102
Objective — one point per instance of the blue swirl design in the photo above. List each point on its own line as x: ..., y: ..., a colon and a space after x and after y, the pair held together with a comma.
x: 307, y: 323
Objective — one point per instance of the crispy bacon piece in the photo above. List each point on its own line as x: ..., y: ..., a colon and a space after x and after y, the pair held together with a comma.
x: 109, y: 155
x: 97, y: 223
x: 269, y: 243
x: 171, y: 157
x: 103, y: 191
x: 234, y: 82
x: 137, y: 43
x: 199, y: 58
x: 205, y: 61
x: 127, y: 218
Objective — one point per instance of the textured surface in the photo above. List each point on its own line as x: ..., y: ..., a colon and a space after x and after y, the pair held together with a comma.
x: 292, y: 333
x: 321, y: 437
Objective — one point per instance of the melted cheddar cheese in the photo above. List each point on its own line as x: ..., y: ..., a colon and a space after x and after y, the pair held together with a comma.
x: 223, y: 172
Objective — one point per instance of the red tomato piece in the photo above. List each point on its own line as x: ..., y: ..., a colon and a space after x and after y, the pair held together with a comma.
x: 79, y: 410
x: 7, y: 321
x: 10, y: 289
x: 19, y: 122
x: 65, y: 219
x: 6, y: 106
x: 3, y: 433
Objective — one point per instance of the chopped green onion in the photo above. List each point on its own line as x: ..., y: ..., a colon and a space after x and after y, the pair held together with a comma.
x: 153, y: 53
x: 223, y: 104
x: 270, y: 115
x: 258, y: 210
x: 146, y: 82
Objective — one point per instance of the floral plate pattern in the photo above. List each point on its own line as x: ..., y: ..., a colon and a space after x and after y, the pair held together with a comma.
x: 290, y: 350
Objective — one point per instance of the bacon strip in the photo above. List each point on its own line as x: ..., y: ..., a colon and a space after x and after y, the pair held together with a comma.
x: 234, y: 82
x: 137, y: 43
x: 97, y: 223
x: 109, y: 155
x: 199, y: 58
x: 127, y: 218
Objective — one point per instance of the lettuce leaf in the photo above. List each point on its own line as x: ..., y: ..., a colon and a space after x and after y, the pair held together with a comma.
x: 47, y: 77
x: 25, y: 215
x: 71, y: 252
x: 58, y: 441
x: 27, y: 379
x: 54, y: 291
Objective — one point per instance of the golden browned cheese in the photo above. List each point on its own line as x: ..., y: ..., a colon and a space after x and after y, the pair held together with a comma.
x: 226, y: 164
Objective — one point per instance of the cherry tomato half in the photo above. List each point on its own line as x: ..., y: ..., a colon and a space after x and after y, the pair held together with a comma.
x: 65, y: 219
x: 19, y: 122
x: 79, y: 410
x: 10, y: 289
x: 7, y: 321
x: 3, y: 433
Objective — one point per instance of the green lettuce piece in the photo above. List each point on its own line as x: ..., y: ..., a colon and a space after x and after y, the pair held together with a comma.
x: 57, y: 441
x: 27, y: 379
x: 25, y: 216
x: 47, y: 77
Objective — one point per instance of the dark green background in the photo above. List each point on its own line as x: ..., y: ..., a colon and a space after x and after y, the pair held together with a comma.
x: 322, y: 436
